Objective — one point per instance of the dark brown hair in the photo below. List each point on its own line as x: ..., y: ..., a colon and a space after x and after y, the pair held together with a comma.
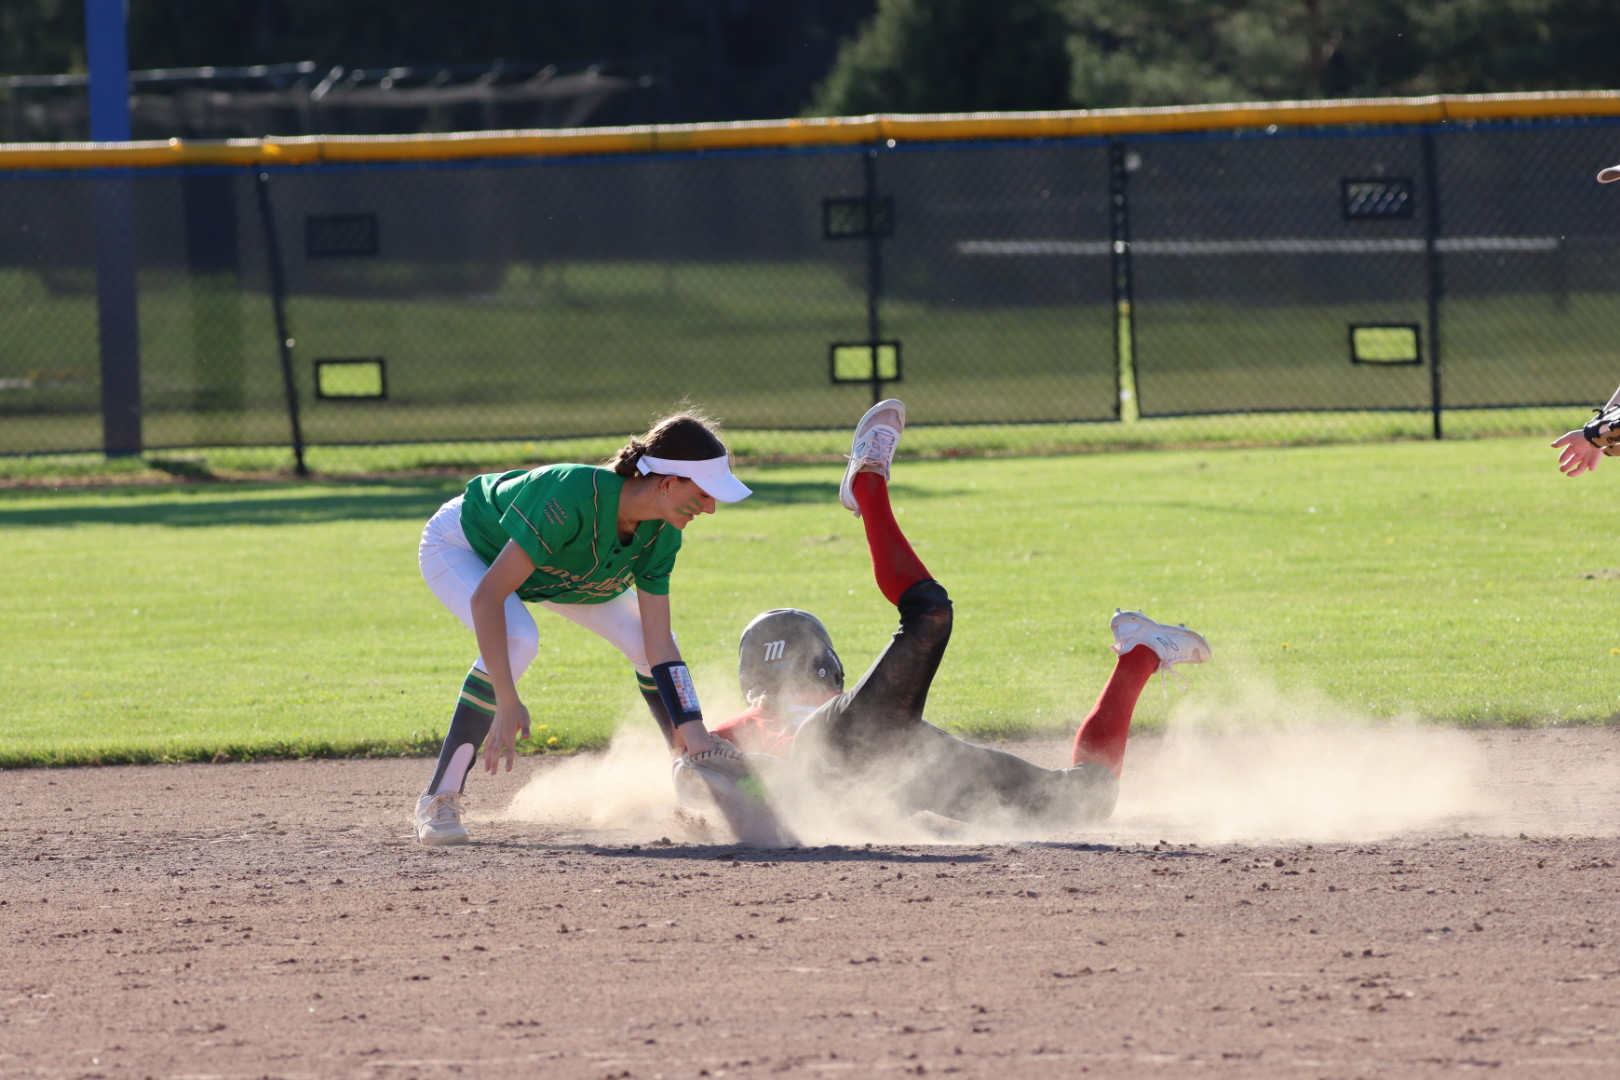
x: 687, y: 435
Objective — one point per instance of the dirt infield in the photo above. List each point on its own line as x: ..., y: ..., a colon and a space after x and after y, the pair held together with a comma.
x: 1365, y: 904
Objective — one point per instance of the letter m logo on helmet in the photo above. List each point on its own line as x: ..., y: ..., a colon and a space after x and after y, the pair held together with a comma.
x: 785, y: 651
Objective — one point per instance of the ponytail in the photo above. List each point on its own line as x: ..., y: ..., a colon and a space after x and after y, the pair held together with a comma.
x: 623, y: 463
x: 688, y: 435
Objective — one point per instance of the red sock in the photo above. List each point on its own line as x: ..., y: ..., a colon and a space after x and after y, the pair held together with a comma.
x: 1102, y: 733
x: 894, y: 564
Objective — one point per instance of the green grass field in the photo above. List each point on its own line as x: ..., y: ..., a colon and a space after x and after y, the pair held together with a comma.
x: 1458, y: 582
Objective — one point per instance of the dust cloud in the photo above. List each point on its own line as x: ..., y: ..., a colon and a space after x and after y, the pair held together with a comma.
x: 624, y: 791
x: 1262, y: 765
x: 1251, y: 766
x: 625, y: 795
x: 1269, y: 767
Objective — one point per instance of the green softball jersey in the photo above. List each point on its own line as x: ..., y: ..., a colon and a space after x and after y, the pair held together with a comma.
x: 567, y: 518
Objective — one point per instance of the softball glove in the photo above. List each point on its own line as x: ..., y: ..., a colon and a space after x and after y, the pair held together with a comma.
x: 731, y: 783
x: 1603, y: 430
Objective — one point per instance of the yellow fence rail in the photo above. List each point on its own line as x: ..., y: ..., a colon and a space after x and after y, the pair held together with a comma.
x: 669, y: 138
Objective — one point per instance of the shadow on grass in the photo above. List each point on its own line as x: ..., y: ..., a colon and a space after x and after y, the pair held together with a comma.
x: 301, y: 504
x: 213, y: 505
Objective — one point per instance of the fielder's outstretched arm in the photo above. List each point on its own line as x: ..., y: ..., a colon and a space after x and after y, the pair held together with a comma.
x: 1581, y: 450
x: 672, y: 677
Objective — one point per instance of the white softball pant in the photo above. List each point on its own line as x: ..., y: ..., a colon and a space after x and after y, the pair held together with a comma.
x: 452, y: 570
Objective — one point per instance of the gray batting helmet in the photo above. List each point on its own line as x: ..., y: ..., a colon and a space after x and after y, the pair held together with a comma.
x: 786, y: 651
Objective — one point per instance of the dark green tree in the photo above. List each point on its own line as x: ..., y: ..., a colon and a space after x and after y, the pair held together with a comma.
x: 933, y: 56
x: 1175, y: 52
x: 1182, y: 52
x: 41, y: 37
x: 704, y: 59
x: 735, y: 59
x: 1496, y: 46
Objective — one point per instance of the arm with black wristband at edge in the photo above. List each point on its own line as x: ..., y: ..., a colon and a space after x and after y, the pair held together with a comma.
x: 674, y: 682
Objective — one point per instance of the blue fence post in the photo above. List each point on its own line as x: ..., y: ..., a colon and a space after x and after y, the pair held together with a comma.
x: 118, y: 324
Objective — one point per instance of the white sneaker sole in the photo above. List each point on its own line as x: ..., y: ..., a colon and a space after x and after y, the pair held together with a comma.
x: 1172, y: 644
x: 857, y: 460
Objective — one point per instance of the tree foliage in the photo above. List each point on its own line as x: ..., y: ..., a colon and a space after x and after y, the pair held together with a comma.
x: 951, y: 56
x: 733, y: 59
x: 937, y: 56
x: 1167, y: 52
x: 706, y: 59
x: 41, y: 37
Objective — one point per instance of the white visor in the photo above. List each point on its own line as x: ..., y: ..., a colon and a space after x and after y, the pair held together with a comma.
x: 713, y: 475
x: 1609, y: 175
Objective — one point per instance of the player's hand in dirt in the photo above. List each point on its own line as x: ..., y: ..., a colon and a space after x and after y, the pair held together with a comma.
x: 511, y: 724
x: 1578, y: 455
x: 694, y: 738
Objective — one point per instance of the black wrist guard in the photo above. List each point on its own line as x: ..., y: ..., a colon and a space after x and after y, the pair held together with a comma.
x: 677, y: 692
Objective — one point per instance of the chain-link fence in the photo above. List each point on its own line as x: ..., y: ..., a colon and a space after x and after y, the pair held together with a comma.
x: 1416, y: 267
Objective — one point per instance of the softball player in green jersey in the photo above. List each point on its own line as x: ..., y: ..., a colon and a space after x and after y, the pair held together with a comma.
x: 594, y: 544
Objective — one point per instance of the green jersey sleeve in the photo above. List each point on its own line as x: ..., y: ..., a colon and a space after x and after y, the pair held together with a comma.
x: 535, y: 509
x: 658, y: 562
x: 546, y: 513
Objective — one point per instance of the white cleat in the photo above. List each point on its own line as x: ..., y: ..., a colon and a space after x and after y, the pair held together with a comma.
x: 438, y: 819
x: 1172, y: 644
x: 872, y: 450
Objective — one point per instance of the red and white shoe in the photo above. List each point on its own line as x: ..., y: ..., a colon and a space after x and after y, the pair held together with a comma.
x: 872, y: 450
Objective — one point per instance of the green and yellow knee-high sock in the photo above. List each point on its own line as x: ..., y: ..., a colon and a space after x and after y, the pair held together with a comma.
x: 469, y: 725
x: 655, y: 705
